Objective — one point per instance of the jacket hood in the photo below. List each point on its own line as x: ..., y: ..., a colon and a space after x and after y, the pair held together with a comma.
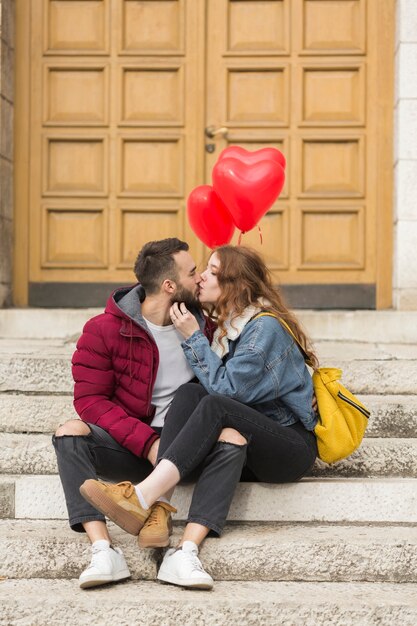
x: 126, y: 303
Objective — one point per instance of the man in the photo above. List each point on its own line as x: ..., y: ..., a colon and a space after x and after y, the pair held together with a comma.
x: 127, y: 366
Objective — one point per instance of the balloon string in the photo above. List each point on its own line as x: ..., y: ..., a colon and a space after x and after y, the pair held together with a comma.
x: 242, y: 232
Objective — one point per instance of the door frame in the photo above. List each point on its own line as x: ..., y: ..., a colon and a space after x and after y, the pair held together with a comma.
x: 21, y: 154
x: 385, y: 34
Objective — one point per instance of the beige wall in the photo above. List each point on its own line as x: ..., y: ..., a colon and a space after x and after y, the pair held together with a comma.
x: 405, y: 196
x: 6, y: 148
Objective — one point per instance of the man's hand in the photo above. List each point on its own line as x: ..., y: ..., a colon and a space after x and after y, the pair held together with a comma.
x: 183, y: 320
x: 153, y: 452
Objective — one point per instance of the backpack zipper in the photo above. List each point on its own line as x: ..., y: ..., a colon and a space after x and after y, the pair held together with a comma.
x: 356, y: 406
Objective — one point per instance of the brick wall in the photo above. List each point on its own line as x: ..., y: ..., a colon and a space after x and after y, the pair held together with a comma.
x: 6, y: 148
x: 405, y: 140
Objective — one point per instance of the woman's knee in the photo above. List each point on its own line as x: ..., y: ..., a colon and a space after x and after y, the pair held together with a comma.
x: 73, y: 428
x: 190, y: 392
x: 215, y: 405
x: 230, y: 435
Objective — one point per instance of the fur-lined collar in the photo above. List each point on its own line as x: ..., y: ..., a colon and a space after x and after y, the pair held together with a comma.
x: 234, y: 327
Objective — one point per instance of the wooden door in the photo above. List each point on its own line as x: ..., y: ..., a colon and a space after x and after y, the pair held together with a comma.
x: 313, y: 78
x: 110, y: 139
x: 113, y: 97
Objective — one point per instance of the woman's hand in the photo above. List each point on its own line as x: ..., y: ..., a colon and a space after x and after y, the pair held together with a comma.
x: 183, y: 320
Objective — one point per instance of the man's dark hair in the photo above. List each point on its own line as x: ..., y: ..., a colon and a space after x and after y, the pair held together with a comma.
x: 155, y: 263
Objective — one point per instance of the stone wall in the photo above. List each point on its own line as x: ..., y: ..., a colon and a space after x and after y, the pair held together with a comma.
x: 6, y: 148
x: 405, y: 141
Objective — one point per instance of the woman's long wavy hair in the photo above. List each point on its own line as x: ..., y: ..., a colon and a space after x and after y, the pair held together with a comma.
x: 243, y: 279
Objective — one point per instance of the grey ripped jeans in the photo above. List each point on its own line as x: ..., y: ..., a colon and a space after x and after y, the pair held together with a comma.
x: 98, y: 455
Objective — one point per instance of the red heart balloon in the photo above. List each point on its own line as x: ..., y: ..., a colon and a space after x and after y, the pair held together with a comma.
x: 248, y: 157
x: 247, y: 190
x: 208, y: 217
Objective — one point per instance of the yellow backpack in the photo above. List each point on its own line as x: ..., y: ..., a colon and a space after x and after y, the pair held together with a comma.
x: 342, y: 417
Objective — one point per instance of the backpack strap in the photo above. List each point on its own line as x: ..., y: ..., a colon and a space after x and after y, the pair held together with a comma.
x: 288, y: 329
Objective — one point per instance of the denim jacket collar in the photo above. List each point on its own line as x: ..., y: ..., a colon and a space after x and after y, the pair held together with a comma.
x: 234, y: 326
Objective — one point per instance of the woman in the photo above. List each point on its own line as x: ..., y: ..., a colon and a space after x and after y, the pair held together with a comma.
x: 253, y: 380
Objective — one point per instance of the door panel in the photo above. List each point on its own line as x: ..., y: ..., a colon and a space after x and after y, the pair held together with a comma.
x: 303, y: 76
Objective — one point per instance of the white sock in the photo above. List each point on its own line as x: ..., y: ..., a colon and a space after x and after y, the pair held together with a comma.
x: 141, y: 499
x: 161, y: 481
x: 101, y: 544
x: 189, y: 546
x: 163, y: 499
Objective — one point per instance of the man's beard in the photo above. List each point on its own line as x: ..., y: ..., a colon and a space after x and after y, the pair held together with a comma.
x: 185, y: 295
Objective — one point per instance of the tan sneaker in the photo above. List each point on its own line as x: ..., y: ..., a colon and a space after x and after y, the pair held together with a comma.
x: 158, y: 526
x: 119, y: 502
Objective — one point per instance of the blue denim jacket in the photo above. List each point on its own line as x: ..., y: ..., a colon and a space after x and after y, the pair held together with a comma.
x: 263, y: 369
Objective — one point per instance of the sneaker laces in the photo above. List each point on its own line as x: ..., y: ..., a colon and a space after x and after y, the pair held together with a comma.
x: 127, y: 488
x: 97, y: 557
x: 194, y: 561
x: 153, y: 519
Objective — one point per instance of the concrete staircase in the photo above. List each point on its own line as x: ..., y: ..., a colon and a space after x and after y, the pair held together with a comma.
x: 337, y: 548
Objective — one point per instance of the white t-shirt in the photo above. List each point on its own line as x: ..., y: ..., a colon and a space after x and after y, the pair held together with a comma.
x: 173, y: 369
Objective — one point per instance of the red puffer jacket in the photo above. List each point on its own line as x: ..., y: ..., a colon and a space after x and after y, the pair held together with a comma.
x: 114, y: 368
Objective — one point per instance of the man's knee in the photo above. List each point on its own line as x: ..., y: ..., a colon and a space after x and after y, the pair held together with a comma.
x: 73, y: 428
x: 230, y: 435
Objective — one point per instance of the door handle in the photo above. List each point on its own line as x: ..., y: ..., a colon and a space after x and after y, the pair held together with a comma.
x: 212, y: 131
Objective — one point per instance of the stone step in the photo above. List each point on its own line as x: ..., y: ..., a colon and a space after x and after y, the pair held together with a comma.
x: 40, y: 372
x: 34, y: 414
x: 375, y: 457
x: 261, y: 552
x: 341, y: 500
x: 375, y: 326
x: 7, y: 499
x: 370, y: 326
x: 51, y: 373
x: 54, y: 602
x: 34, y: 454
x: 391, y: 416
x: 329, y: 352
x: 327, y: 349
x: 36, y: 323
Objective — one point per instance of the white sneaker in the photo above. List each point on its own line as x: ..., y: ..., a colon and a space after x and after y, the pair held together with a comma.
x: 107, y: 566
x: 183, y: 567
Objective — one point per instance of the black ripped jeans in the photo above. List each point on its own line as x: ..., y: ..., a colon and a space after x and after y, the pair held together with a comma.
x: 98, y: 455
x: 189, y: 439
x: 275, y: 453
